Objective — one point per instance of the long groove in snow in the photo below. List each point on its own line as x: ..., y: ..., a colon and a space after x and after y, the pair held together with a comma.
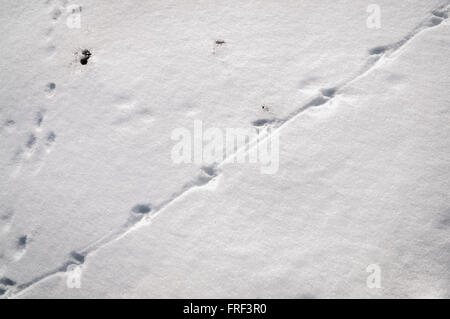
x: 374, y: 60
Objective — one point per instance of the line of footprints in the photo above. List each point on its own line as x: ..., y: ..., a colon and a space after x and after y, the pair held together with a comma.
x: 11, y: 249
x: 39, y: 143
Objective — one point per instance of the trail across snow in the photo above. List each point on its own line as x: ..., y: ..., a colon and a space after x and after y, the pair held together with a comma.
x: 117, y: 239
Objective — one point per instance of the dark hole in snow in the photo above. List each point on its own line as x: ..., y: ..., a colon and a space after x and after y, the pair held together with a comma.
x: 141, y: 209
x: 86, y: 54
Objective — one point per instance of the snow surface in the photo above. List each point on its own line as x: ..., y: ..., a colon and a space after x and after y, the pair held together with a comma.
x: 364, y: 172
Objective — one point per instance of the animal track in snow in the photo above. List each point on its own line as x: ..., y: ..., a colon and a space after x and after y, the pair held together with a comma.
x: 22, y: 242
x: 50, y: 89
x: 7, y: 126
x: 129, y: 114
x: 263, y: 122
x: 142, y: 209
x: 139, y: 211
x: 268, y: 119
x: 439, y: 16
x: 328, y: 93
x: 20, y: 247
x: 56, y: 8
x: 31, y: 141
x: 322, y: 97
x: 55, y: 12
x: 50, y: 139
x: 378, y: 50
x: 35, y: 147
x: 440, y: 13
x: 6, y: 284
x: 435, y: 18
x: 77, y: 257
x: 12, y: 248
x: 10, y: 123
x: 5, y: 281
x: 6, y: 221
x: 39, y: 119
x: 208, y: 174
x: 376, y: 54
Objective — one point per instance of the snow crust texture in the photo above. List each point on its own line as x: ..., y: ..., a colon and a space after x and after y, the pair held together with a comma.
x: 92, y: 204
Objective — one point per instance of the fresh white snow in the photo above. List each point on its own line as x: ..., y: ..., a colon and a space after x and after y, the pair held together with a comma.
x: 89, y: 189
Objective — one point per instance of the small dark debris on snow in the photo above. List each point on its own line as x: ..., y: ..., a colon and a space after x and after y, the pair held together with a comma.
x: 86, y: 54
x: 220, y: 42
